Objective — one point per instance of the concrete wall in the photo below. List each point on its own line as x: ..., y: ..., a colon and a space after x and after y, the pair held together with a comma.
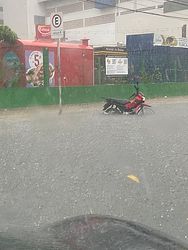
x: 103, y: 26
x: 15, y: 16
x: 139, y: 23
x: 1, y: 12
x: 33, y: 9
x: 108, y: 33
x: 19, y: 16
x: 23, y: 97
x: 125, y: 21
x: 171, y: 6
x: 82, y: 19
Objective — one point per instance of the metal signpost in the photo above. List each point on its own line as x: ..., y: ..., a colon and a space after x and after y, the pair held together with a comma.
x: 46, y: 66
x: 57, y: 33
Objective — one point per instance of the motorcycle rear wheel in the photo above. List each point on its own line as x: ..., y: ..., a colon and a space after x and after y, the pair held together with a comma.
x: 111, y: 110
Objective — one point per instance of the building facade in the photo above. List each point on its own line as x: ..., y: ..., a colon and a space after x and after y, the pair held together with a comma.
x: 22, y: 15
x: 1, y: 12
x: 104, y: 22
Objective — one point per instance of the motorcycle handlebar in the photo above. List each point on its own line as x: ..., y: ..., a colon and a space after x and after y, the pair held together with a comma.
x: 132, y: 96
x: 137, y: 89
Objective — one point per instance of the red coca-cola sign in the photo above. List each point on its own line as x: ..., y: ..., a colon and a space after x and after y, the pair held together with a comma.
x: 43, y: 32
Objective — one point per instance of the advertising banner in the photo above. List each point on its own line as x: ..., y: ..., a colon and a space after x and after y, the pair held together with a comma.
x: 171, y: 41
x: 43, y: 32
x: 34, y: 68
x: 116, y: 66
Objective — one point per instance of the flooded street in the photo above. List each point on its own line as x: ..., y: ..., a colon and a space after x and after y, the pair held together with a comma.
x: 53, y: 167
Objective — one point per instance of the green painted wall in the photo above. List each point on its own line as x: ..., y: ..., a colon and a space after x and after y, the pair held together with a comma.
x: 22, y: 97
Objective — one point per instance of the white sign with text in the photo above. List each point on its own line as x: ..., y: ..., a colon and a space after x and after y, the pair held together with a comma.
x: 116, y: 66
x: 56, y: 20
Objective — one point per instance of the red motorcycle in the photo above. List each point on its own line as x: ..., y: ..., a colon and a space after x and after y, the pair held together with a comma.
x: 135, y: 105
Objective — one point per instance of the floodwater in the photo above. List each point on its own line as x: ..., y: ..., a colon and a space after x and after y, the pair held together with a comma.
x: 83, y: 162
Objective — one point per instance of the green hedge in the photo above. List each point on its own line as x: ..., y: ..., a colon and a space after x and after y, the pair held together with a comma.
x: 25, y: 97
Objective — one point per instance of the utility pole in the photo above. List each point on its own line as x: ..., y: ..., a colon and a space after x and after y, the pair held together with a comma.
x: 135, y: 5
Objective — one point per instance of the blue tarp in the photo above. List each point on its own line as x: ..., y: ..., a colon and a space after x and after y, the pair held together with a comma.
x: 144, y: 58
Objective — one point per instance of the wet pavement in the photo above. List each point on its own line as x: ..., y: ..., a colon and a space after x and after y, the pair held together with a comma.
x: 53, y: 167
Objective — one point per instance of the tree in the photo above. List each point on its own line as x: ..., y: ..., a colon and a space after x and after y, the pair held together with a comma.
x: 7, y: 35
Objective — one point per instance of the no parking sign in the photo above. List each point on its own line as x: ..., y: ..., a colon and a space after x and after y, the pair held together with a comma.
x: 57, y: 33
x: 56, y: 25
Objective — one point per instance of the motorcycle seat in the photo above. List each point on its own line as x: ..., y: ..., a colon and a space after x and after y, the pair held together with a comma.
x: 119, y: 101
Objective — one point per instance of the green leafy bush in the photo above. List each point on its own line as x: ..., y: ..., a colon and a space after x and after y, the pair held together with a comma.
x: 7, y: 35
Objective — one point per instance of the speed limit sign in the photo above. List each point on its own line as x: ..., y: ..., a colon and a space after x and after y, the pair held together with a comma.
x: 56, y: 25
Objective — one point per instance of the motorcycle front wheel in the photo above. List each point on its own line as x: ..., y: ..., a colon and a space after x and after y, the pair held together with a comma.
x: 145, y: 110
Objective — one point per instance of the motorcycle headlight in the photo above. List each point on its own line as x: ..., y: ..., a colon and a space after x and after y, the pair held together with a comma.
x: 143, y: 98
